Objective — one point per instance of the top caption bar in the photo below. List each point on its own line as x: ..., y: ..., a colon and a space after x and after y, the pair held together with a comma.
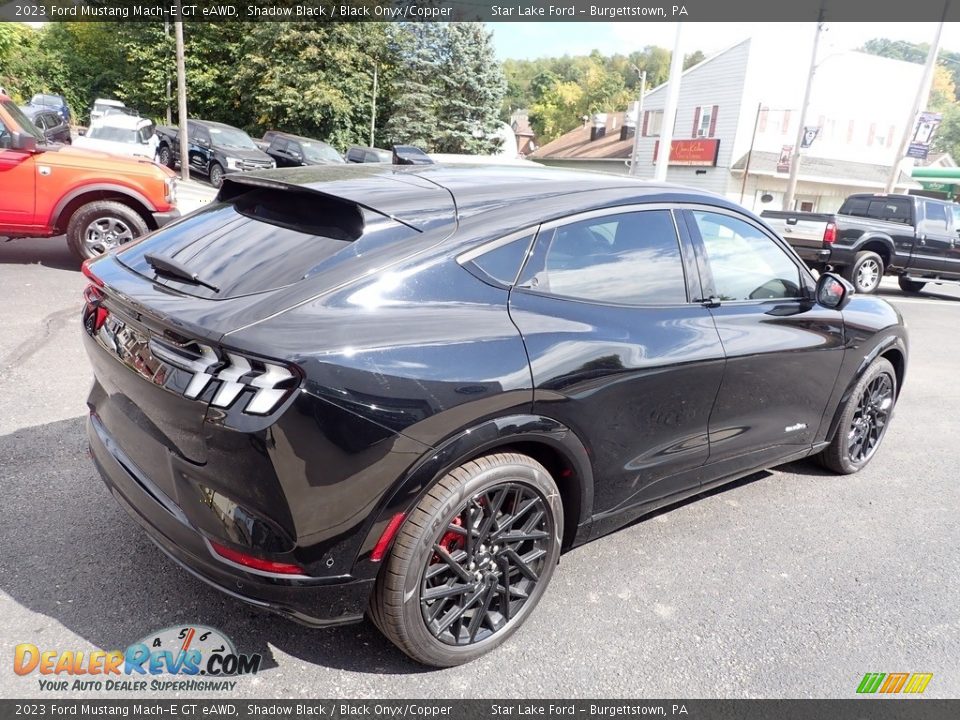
x: 478, y: 10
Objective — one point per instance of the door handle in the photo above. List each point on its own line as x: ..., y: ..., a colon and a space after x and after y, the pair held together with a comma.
x: 710, y: 302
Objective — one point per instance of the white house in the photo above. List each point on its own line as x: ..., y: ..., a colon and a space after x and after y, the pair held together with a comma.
x: 860, y: 103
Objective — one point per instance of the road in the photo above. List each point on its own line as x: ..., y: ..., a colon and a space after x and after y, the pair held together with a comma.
x: 792, y: 583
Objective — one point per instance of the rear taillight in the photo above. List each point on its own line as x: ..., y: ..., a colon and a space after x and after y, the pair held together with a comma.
x: 830, y: 233
x: 267, y: 384
x: 94, y: 313
x: 253, y: 562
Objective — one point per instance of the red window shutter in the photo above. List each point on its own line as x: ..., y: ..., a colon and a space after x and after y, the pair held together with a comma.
x: 696, y: 121
x: 763, y: 120
x: 850, y: 132
x: 785, y: 128
x: 890, y: 136
x: 713, y: 122
x: 646, y: 122
x: 872, y: 134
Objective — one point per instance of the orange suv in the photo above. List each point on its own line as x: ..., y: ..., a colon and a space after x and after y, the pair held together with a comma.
x: 99, y: 200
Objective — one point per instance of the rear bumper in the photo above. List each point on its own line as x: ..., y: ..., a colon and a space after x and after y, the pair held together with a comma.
x: 317, y: 602
x: 162, y: 218
x: 817, y: 256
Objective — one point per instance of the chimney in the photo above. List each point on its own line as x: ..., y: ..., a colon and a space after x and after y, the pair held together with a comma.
x: 599, y: 127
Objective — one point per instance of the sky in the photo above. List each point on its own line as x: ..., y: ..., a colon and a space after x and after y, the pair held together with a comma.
x: 531, y: 40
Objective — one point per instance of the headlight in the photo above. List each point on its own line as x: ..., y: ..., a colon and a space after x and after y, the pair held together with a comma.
x: 171, y: 193
x: 273, y: 164
x: 233, y: 164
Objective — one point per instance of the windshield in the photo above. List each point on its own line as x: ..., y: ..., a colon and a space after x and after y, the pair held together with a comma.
x: 46, y: 100
x: 114, y: 134
x: 320, y: 152
x: 231, y: 137
x: 22, y: 120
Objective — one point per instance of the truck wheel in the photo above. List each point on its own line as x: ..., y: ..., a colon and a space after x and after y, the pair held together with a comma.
x: 471, y: 561
x: 864, y: 421
x: 102, y: 225
x: 164, y: 157
x: 866, y: 272
x: 216, y: 175
x: 910, y: 286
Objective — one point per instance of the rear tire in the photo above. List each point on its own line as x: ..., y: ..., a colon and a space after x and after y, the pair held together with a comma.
x: 910, y: 286
x: 866, y: 272
x: 100, y: 226
x: 510, y: 506
x: 864, y: 421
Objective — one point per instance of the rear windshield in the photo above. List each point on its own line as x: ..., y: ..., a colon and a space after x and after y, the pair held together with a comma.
x: 261, y: 240
x: 898, y: 210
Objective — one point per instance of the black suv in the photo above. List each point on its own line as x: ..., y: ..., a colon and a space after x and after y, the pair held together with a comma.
x: 404, y: 391
x: 49, y: 122
x: 214, y: 150
x: 294, y: 151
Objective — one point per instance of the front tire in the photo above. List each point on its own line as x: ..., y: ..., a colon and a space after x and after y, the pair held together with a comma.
x: 472, y: 561
x: 100, y: 226
x: 910, y: 286
x: 866, y: 272
x: 864, y: 421
x: 216, y: 175
x: 164, y: 157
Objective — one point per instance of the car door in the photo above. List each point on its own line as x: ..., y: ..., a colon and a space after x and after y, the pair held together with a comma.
x: 278, y: 151
x: 783, y: 351
x: 618, y: 352
x: 294, y: 154
x: 18, y: 171
x: 936, y: 237
x: 198, y: 148
x: 952, y: 259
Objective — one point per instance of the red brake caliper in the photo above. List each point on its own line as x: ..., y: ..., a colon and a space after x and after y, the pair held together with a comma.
x: 451, y: 541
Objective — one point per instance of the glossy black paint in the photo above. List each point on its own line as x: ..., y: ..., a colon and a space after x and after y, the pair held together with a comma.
x: 411, y: 359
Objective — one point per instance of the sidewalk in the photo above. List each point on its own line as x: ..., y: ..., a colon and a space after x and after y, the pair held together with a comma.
x: 192, y: 195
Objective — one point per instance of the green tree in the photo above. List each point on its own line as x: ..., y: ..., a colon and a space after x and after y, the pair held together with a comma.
x: 414, y: 116
x: 471, y: 88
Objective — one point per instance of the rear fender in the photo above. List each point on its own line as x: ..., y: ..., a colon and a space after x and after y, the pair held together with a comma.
x: 498, y: 434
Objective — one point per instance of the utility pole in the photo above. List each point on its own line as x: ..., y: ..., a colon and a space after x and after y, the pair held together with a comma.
x: 373, y: 107
x: 670, y: 109
x: 637, y: 123
x: 169, y: 92
x: 795, y: 155
x: 746, y: 168
x: 919, y: 103
x: 182, y: 98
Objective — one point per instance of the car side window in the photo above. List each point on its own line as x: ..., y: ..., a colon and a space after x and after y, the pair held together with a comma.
x: 503, y: 263
x: 745, y: 262
x: 294, y: 149
x: 629, y: 259
x: 4, y: 136
x: 936, y: 216
x: 279, y: 144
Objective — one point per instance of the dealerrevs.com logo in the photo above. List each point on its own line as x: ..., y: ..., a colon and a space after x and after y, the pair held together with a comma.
x: 893, y: 683
x: 193, y: 657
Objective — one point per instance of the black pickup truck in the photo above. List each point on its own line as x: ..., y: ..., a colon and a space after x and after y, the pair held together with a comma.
x: 215, y: 149
x: 913, y: 237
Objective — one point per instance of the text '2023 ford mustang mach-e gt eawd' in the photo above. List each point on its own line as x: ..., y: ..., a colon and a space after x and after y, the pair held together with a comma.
x: 403, y: 391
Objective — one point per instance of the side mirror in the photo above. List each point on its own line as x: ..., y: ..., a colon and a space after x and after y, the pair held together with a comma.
x: 23, y: 141
x: 833, y: 291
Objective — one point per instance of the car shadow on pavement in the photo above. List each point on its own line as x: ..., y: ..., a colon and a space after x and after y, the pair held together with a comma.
x: 82, y: 563
x: 928, y: 293
x: 49, y: 252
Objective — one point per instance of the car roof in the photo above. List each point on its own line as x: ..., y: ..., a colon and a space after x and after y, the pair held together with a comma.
x: 213, y: 123
x: 495, y: 196
x: 108, y: 101
x: 120, y: 120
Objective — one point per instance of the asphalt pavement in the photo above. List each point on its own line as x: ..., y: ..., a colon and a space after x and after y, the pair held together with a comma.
x: 791, y: 583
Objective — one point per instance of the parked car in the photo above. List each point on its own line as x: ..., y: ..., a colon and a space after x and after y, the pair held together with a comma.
x: 58, y: 103
x: 264, y: 142
x: 362, y: 154
x: 915, y: 238
x: 49, y: 122
x: 215, y: 150
x: 100, y: 201
x: 102, y: 106
x: 122, y: 135
x: 404, y: 393
x: 294, y: 151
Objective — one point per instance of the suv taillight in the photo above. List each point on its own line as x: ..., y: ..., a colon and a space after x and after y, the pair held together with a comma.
x: 830, y: 233
x: 94, y: 314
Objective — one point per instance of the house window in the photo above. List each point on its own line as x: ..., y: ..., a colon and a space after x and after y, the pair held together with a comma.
x: 704, y: 121
x: 652, y: 122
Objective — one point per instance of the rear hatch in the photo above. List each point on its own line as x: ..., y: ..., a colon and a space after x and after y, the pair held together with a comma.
x: 260, y: 249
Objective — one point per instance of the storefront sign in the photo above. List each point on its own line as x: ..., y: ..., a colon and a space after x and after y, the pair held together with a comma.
x: 923, y: 132
x: 691, y: 152
x: 783, y: 164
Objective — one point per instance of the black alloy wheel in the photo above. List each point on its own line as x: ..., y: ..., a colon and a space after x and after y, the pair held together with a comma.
x: 870, y: 419
x: 864, y: 420
x: 471, y: 561
x: 485, y: 564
